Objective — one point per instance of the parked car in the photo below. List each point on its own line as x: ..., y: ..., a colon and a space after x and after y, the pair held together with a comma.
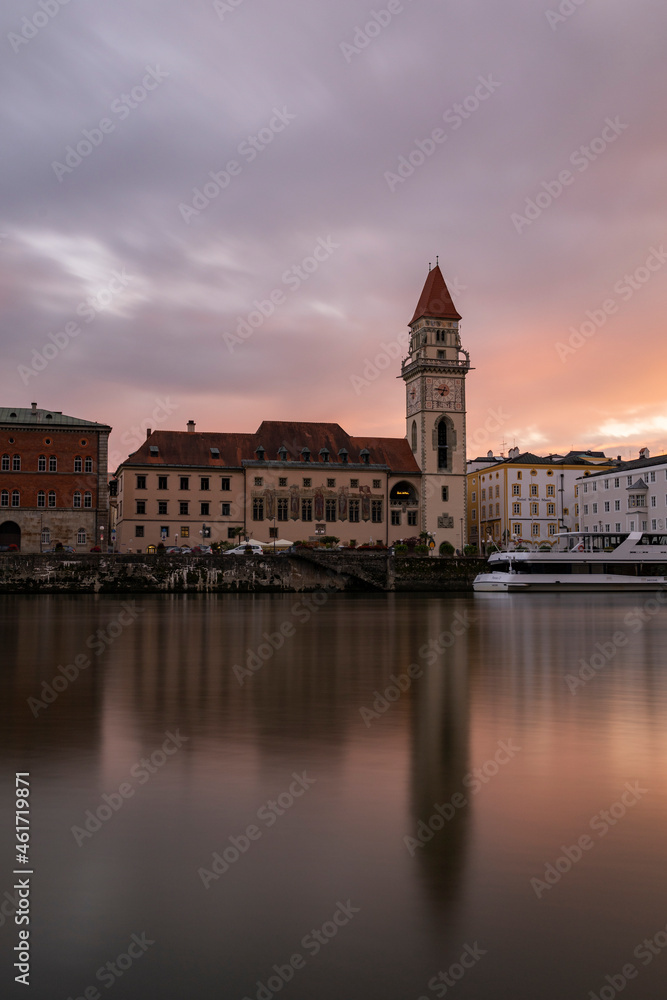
x: 173, y: 550
x: 202, y: 550
x: 240, y: 550
x: 185, y: 549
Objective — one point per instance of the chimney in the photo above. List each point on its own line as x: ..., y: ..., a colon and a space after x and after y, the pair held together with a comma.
x: 191, y: 426
x: 644, y: 453
x: 148, y: 432
x: 34, y: 407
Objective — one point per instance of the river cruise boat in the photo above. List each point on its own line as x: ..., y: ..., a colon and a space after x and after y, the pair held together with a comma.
x: 581, y: 561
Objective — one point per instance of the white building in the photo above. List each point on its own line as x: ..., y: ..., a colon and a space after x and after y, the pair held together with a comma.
x: 631, y: 497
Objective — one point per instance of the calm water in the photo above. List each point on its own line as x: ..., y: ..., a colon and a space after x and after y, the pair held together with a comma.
x: 327, y: 872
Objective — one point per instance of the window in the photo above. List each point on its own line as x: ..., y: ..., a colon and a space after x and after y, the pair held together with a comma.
x: 576, y: 491
x: 376, y: 511
x: 576, y: 510
x: 225, y: 509
x: 552, y: 529
x: 141, y: 506
x: 551, y: 509
x: 16, y: 463
x: 617, y: 482
x: 617, y: 526
x: 534, y: 490
x: 516, y: 508
x: 164, y: 531
x: 162, y: 506
x: 652, y: 475
x: 606, y: 484
x: 46, y: 536
x: 617, y: 504
x: 138, y: 531
x: 497, y: 509
x: 535, y: 530
x: 204, y: 483
x: 516, y: 530
x: 258, y: 509
x: 377, y: 484
x: 185, y: 531
x: 654, y: 524
x: 395, y: 517
x: 443, y: 448
x: 283, y: 481
x: 550, y: 490
x: 518, y: 475
x: 585, y: 508
x: 41, y: 464
x: 354, y: 484
x: 585, y: 487
x: 474, y: 515
x: 534, y: 509
x: 273, y: 532
x: 331, y: 483
x: 353, y: 511
x: 258, y: 481
x: 16, y: 499
x: 4, y: 498
x: 595, y: 508
x: 307, y: 510
x: 483, y: 494
x: 445, y: 494
x: 5, y: 463
x: 52, y: 498
x: 141, y: 482
x: 413, y: 437
x: 184, y: 508
x: 629, y: 480
x: 81, y: 537
x: 88, y: 465
x: 53, y: 464
x: 205, y: 508
x: 473, y: 498
x: 282, y: 505
x: 41, y: 499
x: 76, y: 499
x: 87, y: 499
x: 185, y: 483
x: 162, y: 482
x: 483, y: 512
x: 632, y: 525
x: 595, y: 486
x: 516, y: 489
x: 231, y: 533
x: 307, y: 483
x: 329, y: 510
x: 412, y: 518
x: 652, y: 501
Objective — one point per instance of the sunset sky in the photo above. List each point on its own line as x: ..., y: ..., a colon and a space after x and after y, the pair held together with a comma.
x: 114, y: 113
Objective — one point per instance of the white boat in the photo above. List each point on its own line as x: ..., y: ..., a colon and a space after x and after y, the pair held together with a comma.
x: 586, y: 561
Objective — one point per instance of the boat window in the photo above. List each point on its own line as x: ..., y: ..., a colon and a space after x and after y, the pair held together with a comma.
x: 653, y: 540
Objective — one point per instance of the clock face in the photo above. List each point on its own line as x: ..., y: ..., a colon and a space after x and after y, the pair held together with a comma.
x: 413, y: 398
x: 444, y: 394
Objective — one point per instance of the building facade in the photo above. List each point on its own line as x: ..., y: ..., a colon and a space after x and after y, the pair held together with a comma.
x: 527, y: 499
x: 632, y: 497
x: 53, y: 480
x: 300, y: 481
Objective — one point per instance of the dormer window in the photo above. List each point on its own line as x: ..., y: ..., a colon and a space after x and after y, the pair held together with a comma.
x: 305, y: 454
x: 282, y: 454
x: 324, y: 454
x: 259, y: 451
x: 365, y: 456
x: 343, y: 455
x: 154, y: 451
x: 215, y: 453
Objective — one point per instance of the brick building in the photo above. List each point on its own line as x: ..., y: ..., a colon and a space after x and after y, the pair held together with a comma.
x: 53, y: 480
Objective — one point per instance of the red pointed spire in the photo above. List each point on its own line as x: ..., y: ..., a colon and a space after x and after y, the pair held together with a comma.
x: 435, y: 300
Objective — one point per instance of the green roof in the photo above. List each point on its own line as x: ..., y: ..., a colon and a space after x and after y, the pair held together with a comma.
x: 22, y: 416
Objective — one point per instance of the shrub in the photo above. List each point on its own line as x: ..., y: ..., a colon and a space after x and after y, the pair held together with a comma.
x: 400, y: 549
x: 469, y: 550
x: 446, y: 549
x: 421, y: 550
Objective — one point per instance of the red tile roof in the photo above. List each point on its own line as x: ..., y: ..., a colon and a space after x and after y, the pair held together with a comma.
x: 185, y: 448
x: 435, y: 299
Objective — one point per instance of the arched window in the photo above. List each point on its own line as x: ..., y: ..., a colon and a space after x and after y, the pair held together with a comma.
x: 78, y: 467
x: 41, y: 499
x: 52, y: 498
x: 89, y: 465
x: 403, y: 492
x: 77, y: 499
x: 41, y: 463
x: 5, y: 463
x: 443, y: 446
x: 4, y: 498
x: 87, y: 499
x: 414, y: 435
x: 16, y: 498
x: 53, y: 463
x: 16, y: 463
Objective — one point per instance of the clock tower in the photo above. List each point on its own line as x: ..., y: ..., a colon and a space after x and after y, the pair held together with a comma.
x: 434, y: 373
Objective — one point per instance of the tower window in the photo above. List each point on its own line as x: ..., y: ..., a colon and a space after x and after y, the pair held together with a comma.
x: 443, y: 447
x: 414, y: 435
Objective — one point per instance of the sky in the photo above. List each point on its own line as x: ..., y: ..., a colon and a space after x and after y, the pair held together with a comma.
x: 225, y: 212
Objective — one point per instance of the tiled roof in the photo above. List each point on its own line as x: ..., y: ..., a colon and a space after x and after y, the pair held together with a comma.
x: 185, y: 448
x: 435, y: 299
x: 637, y: 463
x: 20, y: 416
